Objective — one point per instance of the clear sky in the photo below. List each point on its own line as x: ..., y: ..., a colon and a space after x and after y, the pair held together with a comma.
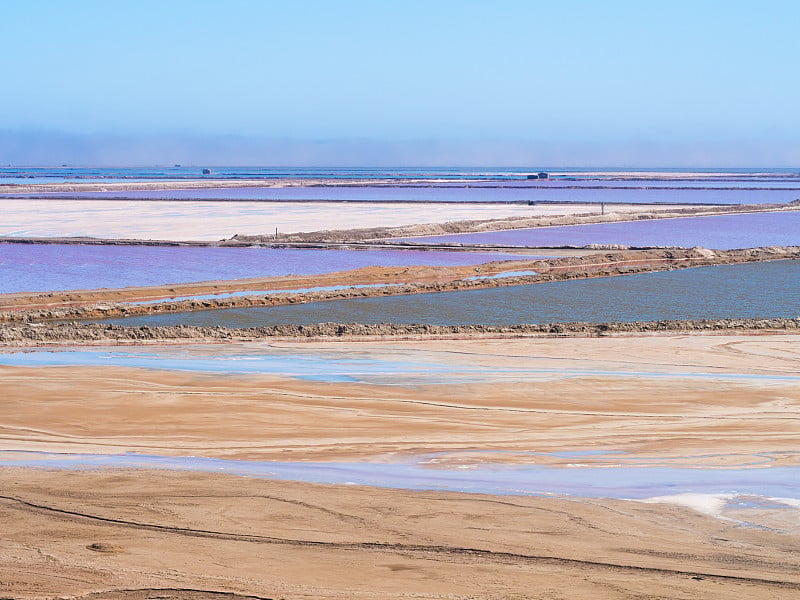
x: 447, y: 81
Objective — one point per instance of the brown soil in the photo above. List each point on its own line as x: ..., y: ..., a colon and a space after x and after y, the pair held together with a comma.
x: 268, y: 417
x: 190, y: 536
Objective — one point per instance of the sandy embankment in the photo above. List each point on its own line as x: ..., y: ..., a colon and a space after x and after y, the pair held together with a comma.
x: 87, y: 304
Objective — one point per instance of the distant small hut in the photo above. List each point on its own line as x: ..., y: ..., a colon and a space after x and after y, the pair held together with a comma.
x: 206, y: 171
x: 543, y: 175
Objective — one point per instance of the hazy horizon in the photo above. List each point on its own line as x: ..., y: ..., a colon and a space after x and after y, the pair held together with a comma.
x: 689, y: 84
x: 55, y: 149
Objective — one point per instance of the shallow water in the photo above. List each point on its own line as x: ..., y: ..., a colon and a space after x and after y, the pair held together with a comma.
x: 54, y: 267
x: 722, y: 232
x: 417, y: 474
x: 749, y: 290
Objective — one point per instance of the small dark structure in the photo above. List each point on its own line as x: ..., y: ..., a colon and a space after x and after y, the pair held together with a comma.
x: 206, y: 171
x: 541, y: 175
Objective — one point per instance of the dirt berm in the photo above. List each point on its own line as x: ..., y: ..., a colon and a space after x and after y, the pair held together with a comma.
x: 32, y: 334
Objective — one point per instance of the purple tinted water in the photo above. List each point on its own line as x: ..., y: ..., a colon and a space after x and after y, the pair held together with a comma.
x: 457, y: 194
x: 53, y: 267
x: 749, y: 290
x: 721, y: 232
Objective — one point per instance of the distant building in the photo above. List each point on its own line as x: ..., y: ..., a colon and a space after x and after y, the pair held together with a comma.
x: 543, y: 175
x: 206, y: 171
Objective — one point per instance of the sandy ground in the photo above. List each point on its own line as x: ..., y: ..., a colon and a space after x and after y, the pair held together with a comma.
x: 132, y: 535
x: 670, y: 394
x: 149, y: 534
x: 212, y: 221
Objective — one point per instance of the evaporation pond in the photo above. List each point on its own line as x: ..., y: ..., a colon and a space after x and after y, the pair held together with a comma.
x: 54, y: 267
x: 721, y: 232
x: 749, y: 290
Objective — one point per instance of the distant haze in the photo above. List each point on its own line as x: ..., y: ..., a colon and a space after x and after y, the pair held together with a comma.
x: 361, y: 82
x: 48, y: 149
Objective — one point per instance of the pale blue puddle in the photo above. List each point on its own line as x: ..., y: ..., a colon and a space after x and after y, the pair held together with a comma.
x: 624, y: 482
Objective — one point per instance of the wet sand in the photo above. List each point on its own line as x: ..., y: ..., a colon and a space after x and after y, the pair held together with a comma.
x: 137, y: 534
x: 669, y: 394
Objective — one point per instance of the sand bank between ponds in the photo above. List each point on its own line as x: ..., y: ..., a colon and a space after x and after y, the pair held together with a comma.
x: 27, y: 334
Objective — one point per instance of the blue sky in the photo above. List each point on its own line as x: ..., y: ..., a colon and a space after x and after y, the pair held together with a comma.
x: 446, y: 81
